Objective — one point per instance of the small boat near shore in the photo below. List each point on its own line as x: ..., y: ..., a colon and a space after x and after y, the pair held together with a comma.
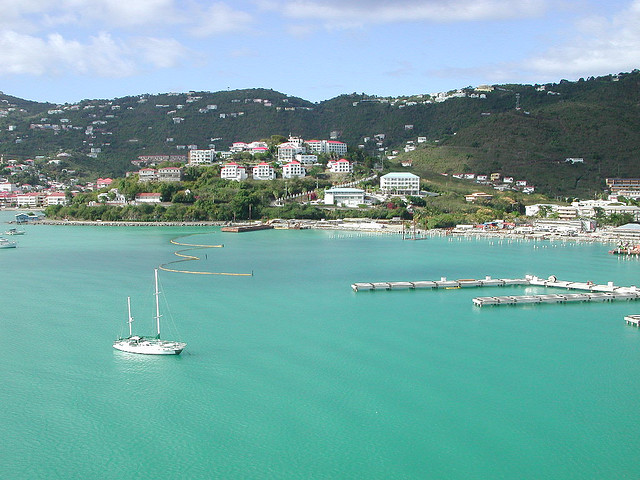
x: 4, y: 243
x: 623, y: 249
x: 14, y: 231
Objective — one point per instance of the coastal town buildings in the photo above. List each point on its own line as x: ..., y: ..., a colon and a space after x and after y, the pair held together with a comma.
x: 400, y: 183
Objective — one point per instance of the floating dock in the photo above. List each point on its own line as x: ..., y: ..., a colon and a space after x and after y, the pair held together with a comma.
x: 590, y: 292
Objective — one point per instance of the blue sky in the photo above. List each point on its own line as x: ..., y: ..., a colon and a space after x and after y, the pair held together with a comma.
x: 67, y: 50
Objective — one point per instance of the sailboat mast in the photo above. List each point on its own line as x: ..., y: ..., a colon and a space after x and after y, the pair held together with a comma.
x: 130, y: 317
x: 157, y: 294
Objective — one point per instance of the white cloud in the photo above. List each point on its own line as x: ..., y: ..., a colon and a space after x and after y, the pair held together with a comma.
x: 100, y: 56
x: 220, y: 18
x: 356, y: 13
x: 599, y: 46
x: 161, y: 52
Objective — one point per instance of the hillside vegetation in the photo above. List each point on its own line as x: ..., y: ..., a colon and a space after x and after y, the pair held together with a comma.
x: 483, y: 132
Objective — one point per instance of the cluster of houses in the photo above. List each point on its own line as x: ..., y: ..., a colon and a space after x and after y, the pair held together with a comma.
x: 499, y: 182
x: 304, y: 151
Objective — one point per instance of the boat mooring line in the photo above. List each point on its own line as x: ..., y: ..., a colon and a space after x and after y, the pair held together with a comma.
x: 190, y: 258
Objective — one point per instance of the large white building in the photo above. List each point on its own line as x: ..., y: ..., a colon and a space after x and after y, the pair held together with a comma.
x: 56, y: 198
x: 344, y: 197
x: 263, y: 171
x: 401, y: 183
x: 293, y: 169
x: 233, y: 171
x: 327, y: 146
x: 202, y: 157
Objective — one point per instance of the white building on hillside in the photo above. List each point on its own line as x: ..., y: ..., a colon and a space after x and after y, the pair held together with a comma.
x: 401, y: 183
x: 327, y: 146
x: 288, y: 151
x: 344, y: 197
x: 263, y: 171
x: 233, y: 171
x: 202, y: 157
x: 293, y: 169
x: 169, y: 174
x: 340, y: 166
x: 306, y: 159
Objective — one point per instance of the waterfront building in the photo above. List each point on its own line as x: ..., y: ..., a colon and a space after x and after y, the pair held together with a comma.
x: 31, y: 199
x: 344, y: 197
x: 233, y: 171
x: 55, y: 198
x: 400, y: 183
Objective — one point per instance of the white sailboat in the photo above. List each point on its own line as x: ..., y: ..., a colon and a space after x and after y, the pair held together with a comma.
x: 148, y: 345
x: 4, y: 243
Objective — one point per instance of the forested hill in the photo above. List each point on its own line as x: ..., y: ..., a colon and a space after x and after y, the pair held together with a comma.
x: 518, y: 130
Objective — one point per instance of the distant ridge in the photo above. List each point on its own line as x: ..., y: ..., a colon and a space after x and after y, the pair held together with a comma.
x: 519, y: 130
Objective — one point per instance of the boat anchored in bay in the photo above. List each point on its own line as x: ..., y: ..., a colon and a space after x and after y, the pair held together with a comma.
x: 4, y: 243
x: 148, y: 345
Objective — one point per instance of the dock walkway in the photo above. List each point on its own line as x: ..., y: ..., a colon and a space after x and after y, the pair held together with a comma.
x: 442, y: 283
x: 590, y: 292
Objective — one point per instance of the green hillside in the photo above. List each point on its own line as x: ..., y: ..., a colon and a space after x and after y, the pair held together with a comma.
x: 471, y: 131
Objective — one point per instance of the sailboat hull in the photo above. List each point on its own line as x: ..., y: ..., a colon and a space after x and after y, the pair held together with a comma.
x: 149, y: 346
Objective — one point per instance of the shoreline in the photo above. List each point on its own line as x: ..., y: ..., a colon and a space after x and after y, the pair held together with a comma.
x: 603, y: 236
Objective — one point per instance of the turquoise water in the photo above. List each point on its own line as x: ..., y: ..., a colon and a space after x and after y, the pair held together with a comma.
x: 289, y: 374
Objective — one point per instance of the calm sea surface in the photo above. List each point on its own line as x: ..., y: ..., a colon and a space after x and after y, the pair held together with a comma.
x: 289, y: 374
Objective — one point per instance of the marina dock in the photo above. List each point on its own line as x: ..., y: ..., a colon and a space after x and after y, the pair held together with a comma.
x: 633, y: 320
x: 442, y: 283
x: 589, y: 291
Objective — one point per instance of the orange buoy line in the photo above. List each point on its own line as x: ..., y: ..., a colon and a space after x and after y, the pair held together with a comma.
x: 190, y: 258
